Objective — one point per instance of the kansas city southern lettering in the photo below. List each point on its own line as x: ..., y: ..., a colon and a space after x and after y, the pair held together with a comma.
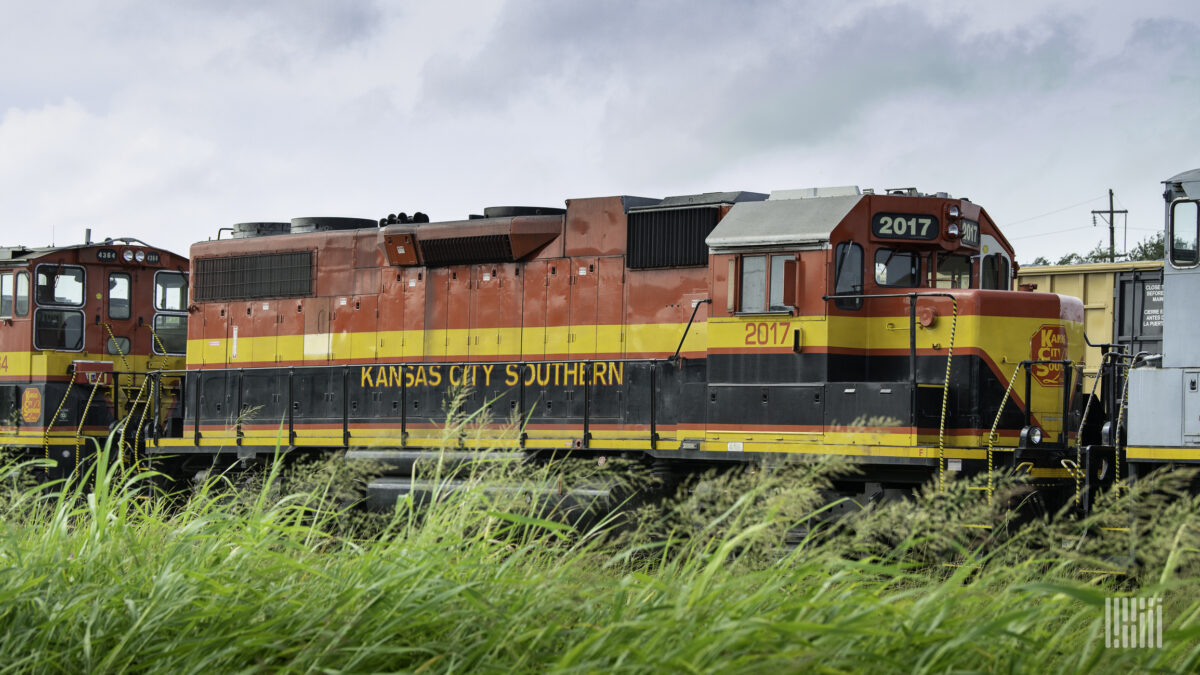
x: 602, y: 373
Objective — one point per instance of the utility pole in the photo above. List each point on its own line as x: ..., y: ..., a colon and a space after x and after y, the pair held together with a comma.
x: 1112, y: 240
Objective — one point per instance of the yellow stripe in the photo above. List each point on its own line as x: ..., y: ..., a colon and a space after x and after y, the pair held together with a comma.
x: 1163, y: 454
x: 1050, y: 473
x: 842, y: 444
x: 40, y: 365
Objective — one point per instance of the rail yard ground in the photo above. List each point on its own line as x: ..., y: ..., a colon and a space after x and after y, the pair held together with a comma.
x: 275, y: 574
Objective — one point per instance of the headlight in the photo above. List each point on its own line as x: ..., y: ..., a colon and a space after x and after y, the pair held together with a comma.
x: 141, y: 256
x: 127, y: 255
x: 1031, y: 436
x: 952, y: 230
x: 954, y: 211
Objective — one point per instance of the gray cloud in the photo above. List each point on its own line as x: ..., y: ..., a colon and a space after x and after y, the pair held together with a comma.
x: 172, y: 120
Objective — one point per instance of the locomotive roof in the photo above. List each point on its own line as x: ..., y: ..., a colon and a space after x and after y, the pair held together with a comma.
x: 21, y: 253
x: 1188, y: 182
x: 12, y: 255
x: 783, y: 220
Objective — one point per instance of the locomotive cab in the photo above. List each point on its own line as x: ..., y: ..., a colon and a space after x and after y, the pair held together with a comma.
x: 1164, y: 389
x: 882, y: 320
x: 81, y: 328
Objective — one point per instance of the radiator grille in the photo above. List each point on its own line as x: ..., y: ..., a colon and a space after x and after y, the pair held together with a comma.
x: 465, y: 250
x: 249, y: 277
x: 673, y: 238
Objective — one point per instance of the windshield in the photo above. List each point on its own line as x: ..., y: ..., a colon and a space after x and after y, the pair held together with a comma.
x: 897, y: 268
x: 953, y: 271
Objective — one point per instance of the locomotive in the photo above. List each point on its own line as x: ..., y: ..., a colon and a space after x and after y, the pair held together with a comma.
x: 81, y: 329
x: 1162, y: 391
x: 688, y: 332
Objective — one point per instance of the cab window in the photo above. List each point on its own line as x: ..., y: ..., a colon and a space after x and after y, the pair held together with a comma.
x: 22, y: 294
x: 170, y: 318
x: 171, y: 330
x: 1185, y: 234
x: 170, y: 292
x: 754, y: 283
x: 118, y: 296
x: 897, y: 268
x: 59, y: 329
x: 995, y: 273
x: 764, y: 280
x: 953, y: 271
x: 6, y: 295
x: 60, y: 285
x: 848, y: 275
x: 778, y: 281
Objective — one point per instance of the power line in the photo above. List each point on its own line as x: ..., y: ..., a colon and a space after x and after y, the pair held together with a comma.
x: 1047, y: 234
x: 1065, y: 208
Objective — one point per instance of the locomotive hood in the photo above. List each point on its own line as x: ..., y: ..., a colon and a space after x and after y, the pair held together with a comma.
x: 789, y: 217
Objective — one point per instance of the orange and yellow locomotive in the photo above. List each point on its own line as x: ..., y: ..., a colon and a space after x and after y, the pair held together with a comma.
x: 81, y: 328
x: 690, y: 331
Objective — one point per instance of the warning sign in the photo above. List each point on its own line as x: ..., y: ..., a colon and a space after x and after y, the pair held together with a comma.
x: 1049, y: 343
x: 31, y: 406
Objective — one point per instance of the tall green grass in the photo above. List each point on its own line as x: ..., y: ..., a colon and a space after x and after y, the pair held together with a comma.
x: 98, y: 576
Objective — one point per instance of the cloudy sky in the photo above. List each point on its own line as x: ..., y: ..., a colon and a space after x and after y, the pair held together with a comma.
x: 165, y: 121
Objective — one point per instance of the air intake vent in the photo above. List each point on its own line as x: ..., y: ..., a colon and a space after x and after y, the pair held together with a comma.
x: 465, y: 250
x: 250, y: 277
x: 326, y: 224
x: 249, y: 230
x: 672, y: 238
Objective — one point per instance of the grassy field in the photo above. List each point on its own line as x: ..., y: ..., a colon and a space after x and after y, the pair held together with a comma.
x: 273, y: 575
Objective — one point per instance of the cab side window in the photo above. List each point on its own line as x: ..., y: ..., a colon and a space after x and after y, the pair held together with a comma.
x: 995, y: 273
x: 848, y: 275
x: 754, y: 283
x: 764, y: 283
x: 170, y: 317
x: 6, y: 296
x: 22, y: 294
x: 60, y: 285
x: 1185, y: 234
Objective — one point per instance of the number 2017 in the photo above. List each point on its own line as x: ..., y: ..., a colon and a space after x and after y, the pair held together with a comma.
x: 763, y: 333
x: 904, y: 227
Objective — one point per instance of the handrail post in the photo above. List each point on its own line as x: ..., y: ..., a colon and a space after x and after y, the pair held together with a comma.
x: 695, y: 308
x: 403, y: 409
x: 346, y: 406
x: 238, y: 407
x: 587, y: 404
x: 1066, y: 404
x: 912, y: 338
x: 1028, y: 389
x: 291, y: 408
x: 912, y: 358
x: 653, y: 406
x: 196, y: 407
x: 155, y: 391
x: 521, y: 404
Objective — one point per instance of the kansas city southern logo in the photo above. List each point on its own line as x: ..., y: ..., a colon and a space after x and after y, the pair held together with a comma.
x: 1049, y: 343
x: 601, y: 373
x: 31, y: 406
